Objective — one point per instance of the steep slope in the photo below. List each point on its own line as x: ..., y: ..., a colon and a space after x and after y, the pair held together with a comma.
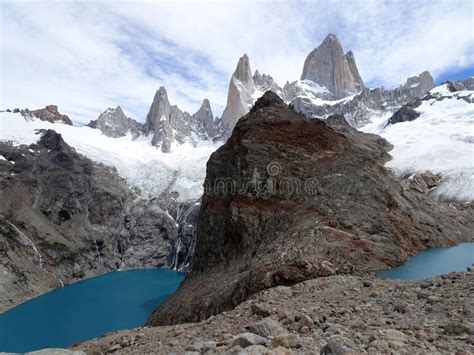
x: 289, y: 198
x: 64, y: 217
x: 114, y: 123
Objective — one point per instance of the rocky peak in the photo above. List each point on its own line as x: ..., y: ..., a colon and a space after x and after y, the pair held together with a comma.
x: 160, y: 110
x: 114, y: 123
x: 328, y: 66
x: 243, y: 73
x: 168, y: 123
x: 239, y: 96
x: 50, y: 113
x: 420, y: 84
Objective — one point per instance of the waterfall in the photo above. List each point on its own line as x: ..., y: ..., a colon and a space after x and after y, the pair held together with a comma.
x: 27, y: 241
x: 186, y: 235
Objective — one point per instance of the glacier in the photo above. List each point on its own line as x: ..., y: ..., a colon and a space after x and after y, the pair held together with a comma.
x: 440, y: 140
x: 138, y: 162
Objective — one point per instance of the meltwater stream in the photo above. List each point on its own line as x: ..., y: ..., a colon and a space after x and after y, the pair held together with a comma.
x: 86, y: 309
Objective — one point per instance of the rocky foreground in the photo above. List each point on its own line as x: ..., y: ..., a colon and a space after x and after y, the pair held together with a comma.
x: 336, y: 314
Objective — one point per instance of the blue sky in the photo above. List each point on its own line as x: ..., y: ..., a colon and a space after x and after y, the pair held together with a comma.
x: 90, y: 55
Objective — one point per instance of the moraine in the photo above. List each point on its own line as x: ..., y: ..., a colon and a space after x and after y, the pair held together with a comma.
x: 86, y: 309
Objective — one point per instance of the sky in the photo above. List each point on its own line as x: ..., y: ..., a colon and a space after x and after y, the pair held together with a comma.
x: 90, y: 55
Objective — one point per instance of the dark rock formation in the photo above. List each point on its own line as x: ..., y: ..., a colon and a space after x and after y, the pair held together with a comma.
x: 404, y: 114
x: 289, y: 198
x: 114, y: 123
x: 328, y: 66
x: 50, y: 113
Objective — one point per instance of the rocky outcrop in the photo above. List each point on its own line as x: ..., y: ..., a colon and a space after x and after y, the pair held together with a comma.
x: 64, y: 217
x: 329, y: 67
x: 404, y: 114
x: 50, y: 114
x: 340, y: 314
x: 169, y: 124
x: 113, y: 123
x: 288, y: 199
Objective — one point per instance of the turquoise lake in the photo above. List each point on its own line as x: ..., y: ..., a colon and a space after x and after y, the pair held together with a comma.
x: 432, y: 262
x: 86, y: 309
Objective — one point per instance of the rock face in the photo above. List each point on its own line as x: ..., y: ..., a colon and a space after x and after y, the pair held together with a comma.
x: 289, y: 198
x: 50, y: 113
x: 168, y: 123
x: 63, y: 217
x: 113, y: 123
x: 244, y: 89
x: 329, y: 67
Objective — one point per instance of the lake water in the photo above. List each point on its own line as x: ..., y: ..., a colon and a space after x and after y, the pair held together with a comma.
x: 432, y: 262
x: 86, y: 309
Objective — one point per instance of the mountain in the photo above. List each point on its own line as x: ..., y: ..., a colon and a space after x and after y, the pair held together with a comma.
x: 330, y: 84
x: 288, y: 198
x: 114, y: 123
x: 329, y: 67
x: 168, y: 124
x: 50, y: 114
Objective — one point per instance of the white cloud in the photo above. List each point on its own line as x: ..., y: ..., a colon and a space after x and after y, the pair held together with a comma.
x: 87, y: 56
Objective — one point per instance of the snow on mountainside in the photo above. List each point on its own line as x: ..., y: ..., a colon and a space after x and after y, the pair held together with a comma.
x: 440, y: 140
x: 136, y: 160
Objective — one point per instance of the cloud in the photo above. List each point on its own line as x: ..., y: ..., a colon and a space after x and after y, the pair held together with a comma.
x: 87, y: 56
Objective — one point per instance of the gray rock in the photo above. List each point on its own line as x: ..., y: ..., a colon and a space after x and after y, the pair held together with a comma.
x: 247, y: 339
x: 267, y: 327
x: 333, y: 348
x: 287, y: 340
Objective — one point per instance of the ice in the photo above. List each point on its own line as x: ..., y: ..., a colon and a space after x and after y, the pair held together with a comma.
x: 143, y: 166
x: 441, y: 140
